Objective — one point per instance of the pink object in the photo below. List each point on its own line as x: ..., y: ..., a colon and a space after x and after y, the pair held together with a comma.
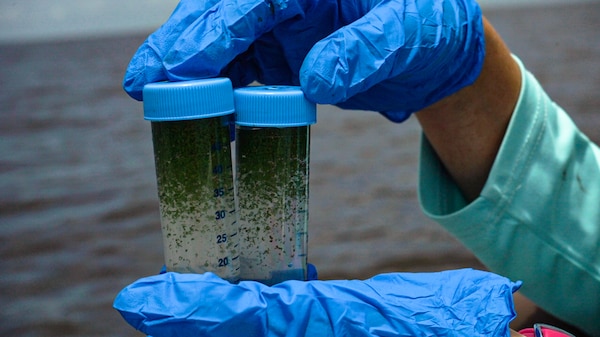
x: 546, y: 331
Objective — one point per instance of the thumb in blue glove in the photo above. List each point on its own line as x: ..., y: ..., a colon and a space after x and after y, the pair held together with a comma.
x: 452, y: 303
x: 395, y: 57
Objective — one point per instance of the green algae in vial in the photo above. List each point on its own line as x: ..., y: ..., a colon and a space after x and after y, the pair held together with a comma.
x: 191, y: 134
x: 272, y: 175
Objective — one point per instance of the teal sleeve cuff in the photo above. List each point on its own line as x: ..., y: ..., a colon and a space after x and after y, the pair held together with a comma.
x: 538, y: 216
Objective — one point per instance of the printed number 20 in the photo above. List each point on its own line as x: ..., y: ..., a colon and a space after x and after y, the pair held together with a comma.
x: 223, y: 262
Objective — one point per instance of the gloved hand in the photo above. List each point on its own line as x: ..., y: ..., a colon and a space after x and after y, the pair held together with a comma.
x: 395, y: 57
x: 452, y: 303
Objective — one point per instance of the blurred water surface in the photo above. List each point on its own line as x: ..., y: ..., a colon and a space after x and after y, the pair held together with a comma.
x: 78, y: 206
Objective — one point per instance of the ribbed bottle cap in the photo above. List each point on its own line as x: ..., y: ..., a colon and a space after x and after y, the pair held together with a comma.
x: 172, y: 101
x: 273, y: 106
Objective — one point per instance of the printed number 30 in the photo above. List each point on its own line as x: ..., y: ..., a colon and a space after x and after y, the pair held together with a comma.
x: 220, y: 215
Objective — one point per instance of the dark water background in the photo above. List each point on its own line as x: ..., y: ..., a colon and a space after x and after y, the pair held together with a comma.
x: 78, y: 206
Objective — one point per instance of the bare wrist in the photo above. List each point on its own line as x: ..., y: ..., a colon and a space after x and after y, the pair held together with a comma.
x: 467, y: 128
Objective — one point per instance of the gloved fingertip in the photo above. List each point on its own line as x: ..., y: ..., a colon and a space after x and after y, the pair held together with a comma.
x: 517, y: 285
x: 311, y: 272
x: 129, y: 312
x: 320, y: 89
x: 133, y: 90
x: 325, y: 75
x: 145, y: 67
x: 396, y: 116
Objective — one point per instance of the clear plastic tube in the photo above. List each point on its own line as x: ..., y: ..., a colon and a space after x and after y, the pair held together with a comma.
x: 192, y: 150
x: 272, y: 180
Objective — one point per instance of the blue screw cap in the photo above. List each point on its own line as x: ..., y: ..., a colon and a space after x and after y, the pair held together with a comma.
x: 273, y: 106
x: 186, y: 100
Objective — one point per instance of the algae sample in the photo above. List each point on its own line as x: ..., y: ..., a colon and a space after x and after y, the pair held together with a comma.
x: 272, y: 188
x: 196, y: 195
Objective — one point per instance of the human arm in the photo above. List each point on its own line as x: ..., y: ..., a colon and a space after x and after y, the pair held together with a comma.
x: 520, y: 190
x: 467, y: 128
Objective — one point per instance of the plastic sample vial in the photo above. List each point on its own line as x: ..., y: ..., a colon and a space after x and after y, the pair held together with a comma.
x: 272, y: 171
x: 191, y: 136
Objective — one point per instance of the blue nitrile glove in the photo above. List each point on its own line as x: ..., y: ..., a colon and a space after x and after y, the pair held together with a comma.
x: 452, y: 303
x: 395, y: 57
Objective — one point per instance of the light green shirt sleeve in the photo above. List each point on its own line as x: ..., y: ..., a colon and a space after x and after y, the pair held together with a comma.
x: 538, y: 216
